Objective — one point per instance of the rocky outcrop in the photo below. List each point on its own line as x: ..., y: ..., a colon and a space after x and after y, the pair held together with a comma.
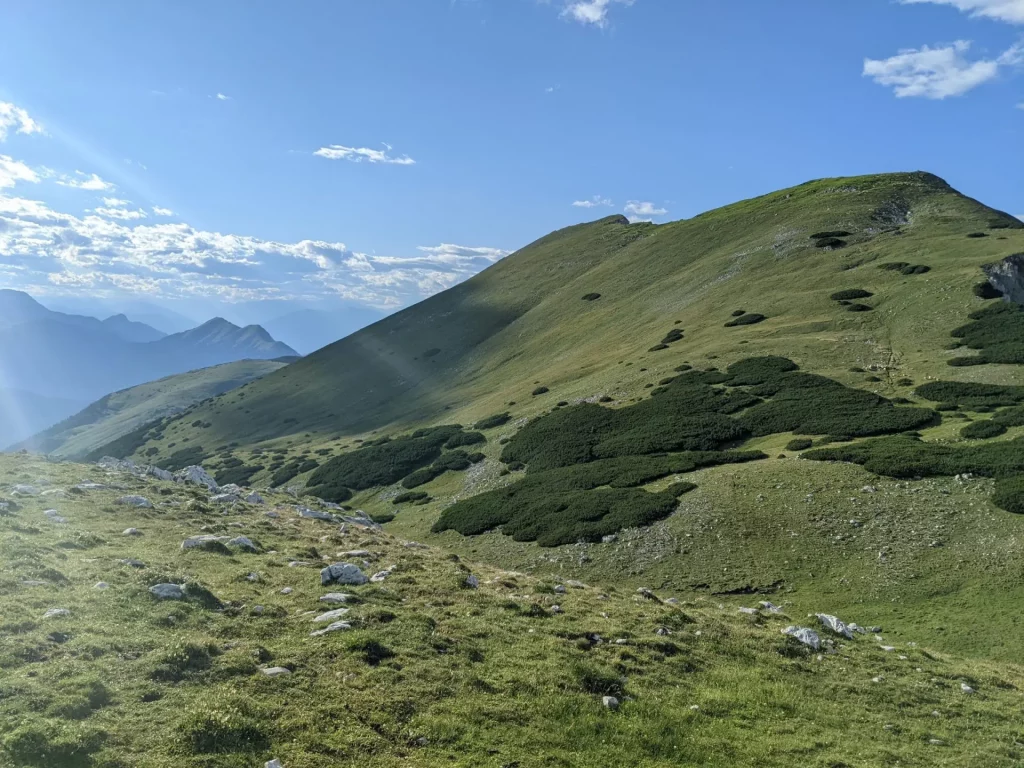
x: 1007, y: 277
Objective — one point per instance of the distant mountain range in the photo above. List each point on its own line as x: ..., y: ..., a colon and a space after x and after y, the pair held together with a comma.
x: 54, y: 363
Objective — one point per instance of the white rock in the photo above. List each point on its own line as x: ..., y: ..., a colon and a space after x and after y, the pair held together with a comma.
x: 355, y: 553
x: 253, y: 498
x: 243, y: 542
x: 167, y: 592
x: 835, y: 624
x: 203, y: 540
x: 101, y: 585
x: 135, y: 501
x: 610, y: 702
x: 159, y: 474
x: 379, y: 576
x: 576, y: 584
x: 55, y: 493
x: 196, y: 475
x: 287, y: 591
x: 275, y: 763
x: 224, y: 498
x: 56, y: 613
x: 473, y: 582
x: 276, y: 671
x: 966, y: 688
x: 804, y: 635
x: 335, y: 597
x: 750, y: 611
x: 131, y: 532
x: 769, y: 607
x: 314, y: 514
x: 559, y: 588
x: 342, y: 573
x: 330, y: 616
x: 90, y: 486
x: 118, y: 465
x: 24, y: 490
x: 338, y: 626
x: 54, y: 516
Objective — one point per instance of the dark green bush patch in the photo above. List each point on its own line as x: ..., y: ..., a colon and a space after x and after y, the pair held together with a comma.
x: 408, y: 496
x: 382, y: 463
x: 490, y: 422
x: 830, y: 242
x: 738, y: 312
x: 751, y: 319
x: 540, y: 391
x: 858, y: 308
x: 240, y: 475
x: 894, y: 266
x: 915, y: 269
x: 672, y: 336
x: 997, y: 331
x: 1009, y: 494
x: 974, y: 235
x: 569, y: 504
x: 830, y: 234
x: 985, y: 290
x: 431, y: 352
x: 658, y: 347
x: 851, y: 293
x: 1010, y: 417
x: 465, y: 438
x: 454, y: 461
x: 591, y: 296
x: 799, y: 444
x: 982, y: 430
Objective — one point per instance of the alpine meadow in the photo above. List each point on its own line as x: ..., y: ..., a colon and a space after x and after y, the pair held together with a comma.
x: 740, y: 487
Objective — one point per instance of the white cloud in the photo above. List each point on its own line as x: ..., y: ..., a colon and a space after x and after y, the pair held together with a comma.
x: 594, y: 202
x: 158, y: 211
x: 222, y: 97
x: 638, y: 211
x: 1011, y: 11
x: 116, y: 202
x: 591, y: 11
x: 113, y: 250
x: 12, y: 171
x: 937, y: 73
x: 90, y: 182
x: 123, y: 214
x: 359, y: 154
x: 16, y: 118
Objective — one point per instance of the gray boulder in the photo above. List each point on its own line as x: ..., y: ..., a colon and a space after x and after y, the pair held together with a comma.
x: 56, y: 613
x: 159, y: 474
x: 835, y: 624
x: 167, y: 592
x: 610, y: 702
x: 338, y: 626
x: 243, y: 542
x: 806, y: 636
x: 253, y: 498
x: 342, y: 573
x: 54, y: 516
x: 131, y: 532
x: 330, y: 616
x: 195, y: 475
x: 204, y: 541
x: 224, y: 498
x: 276, y: 671
x: 24, y: 490
x: 335, y: 597
x: 314, y: 514
x: 135, y: 501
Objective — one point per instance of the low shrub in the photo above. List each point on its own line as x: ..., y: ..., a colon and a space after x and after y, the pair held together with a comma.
x: 997, y: 331
x: 985, y: 290
x: 750, y: 319
x: 451, y: 460
x: 658, y: 347
x: 974, y: 235
x: 408, y: 496
x: 464, y: 438
x: 1010, y: 417
x: 981, y: 430
x: 830, y: 242
x: 540, y: 391
x: 915, y: 269
x: 239, y: 475
x: 738, y: 312
x: 827, y: 235
x: 851, y: 293
x: 490, y: 422
x: 1009, y: 494
x: 799, y: 444
x: 672, y: 336
x: 591, y: 296
x: 431, y: 352
x: 858, y: 308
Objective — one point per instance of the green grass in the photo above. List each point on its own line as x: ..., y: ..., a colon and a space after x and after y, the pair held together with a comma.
x: 431, y: 674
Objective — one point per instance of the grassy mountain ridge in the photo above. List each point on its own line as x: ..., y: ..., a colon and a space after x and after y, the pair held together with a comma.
x: 116, y: 414
x: 467, y: 351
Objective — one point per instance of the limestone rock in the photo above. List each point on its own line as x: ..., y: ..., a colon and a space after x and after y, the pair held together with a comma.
x: 167, y: 592
x: 330, y: 616
x: 135, y: 501
x: 243, y: 542
x: 806, y: 636
x: 342, y: 573
x: 203, y: 541
x: 338, y: 626
x: 195, y: 475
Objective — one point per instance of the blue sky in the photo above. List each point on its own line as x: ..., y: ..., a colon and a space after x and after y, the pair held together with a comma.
x: 344, y: 153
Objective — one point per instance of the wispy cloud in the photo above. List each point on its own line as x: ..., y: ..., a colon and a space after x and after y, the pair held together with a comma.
x: 87, y: 181
x: 114, y: 250
x: 158, y: 211
x: 637, y: 211
x: 1011, y: 11
x: 16, y: 118
x: 591, y: 11
x: 116, y: 202
x: 12, y: 171
x: 222, y: 97
x: 359, y: 154
x: 594, y: 202
x: 123, y: 214
x: 938, y: 73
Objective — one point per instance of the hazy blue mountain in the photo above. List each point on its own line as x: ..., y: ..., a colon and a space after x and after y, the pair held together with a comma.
x: 60, y: 362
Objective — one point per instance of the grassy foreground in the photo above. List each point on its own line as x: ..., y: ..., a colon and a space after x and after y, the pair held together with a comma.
x: 432, y: 671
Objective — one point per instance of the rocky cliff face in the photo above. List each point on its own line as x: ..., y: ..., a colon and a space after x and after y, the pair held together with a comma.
x: 1007, y: 276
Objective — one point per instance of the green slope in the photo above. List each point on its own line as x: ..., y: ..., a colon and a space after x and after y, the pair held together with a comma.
x: 429, y: 671
x: 122, y: 412
x: 914, y: 550
x: 467, y: 351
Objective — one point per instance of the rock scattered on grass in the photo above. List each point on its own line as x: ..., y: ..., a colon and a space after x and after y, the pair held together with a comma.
x: 56, y: 613
x: 342, y: 573
x: 135, y: 501
x: 610, y: 702
x: 806, y: 636
x: 167, y: 592
x: 338, y: 626
x: 335, y: 597
x: 330, y: 616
